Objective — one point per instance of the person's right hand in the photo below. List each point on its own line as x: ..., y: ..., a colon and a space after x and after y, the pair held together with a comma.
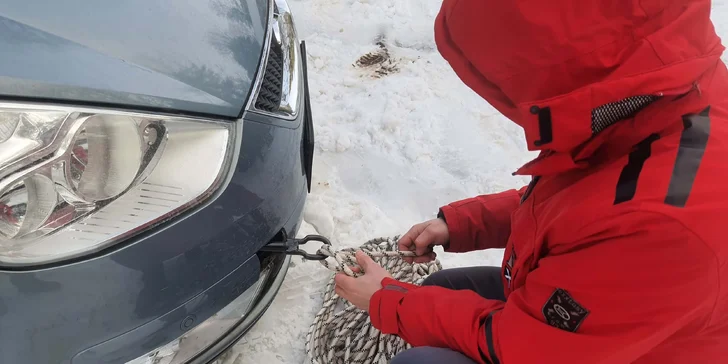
x: 422, y: 237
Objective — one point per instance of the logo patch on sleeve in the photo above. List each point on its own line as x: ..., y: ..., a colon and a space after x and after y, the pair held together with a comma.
x: 561, y: 311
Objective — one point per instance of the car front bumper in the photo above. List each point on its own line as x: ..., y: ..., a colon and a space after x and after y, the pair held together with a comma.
x: 125, y: 303
x: 210, y: 339
x: 190, y: 278
x: 213, y: 337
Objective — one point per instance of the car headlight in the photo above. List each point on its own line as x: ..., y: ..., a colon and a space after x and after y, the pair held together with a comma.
x: 74, y: 181
x: 277, y: 90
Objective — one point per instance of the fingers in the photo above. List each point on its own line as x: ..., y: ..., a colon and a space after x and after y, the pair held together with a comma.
x: 342, y: 293
x: 421, y: 238
x: 365, y: 263
x: 364, y: 260
x: 424, y: 242
x: 426, y: 258
x: 407, y: 241
x: 343, y: 282
x: 338, y: 289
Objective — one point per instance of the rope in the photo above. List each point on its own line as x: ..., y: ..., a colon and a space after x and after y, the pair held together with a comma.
x: 341, y: 333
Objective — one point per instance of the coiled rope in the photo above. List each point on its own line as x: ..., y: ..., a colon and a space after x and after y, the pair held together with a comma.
x: 342, y: 333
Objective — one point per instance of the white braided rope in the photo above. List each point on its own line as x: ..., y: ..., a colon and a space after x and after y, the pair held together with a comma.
x: 341, y: 333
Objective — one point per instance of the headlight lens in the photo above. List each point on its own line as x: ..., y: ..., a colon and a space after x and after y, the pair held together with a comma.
x: 75, y: 181
x: 278, y: 88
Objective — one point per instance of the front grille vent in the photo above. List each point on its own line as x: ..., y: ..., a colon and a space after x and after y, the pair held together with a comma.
x: 271, y: 89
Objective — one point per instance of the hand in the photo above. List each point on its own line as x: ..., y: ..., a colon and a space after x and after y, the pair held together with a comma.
x: 423, y: 237
x: 359, y: 290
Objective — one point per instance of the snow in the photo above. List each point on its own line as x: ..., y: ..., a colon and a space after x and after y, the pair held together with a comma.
x: 390, y: 150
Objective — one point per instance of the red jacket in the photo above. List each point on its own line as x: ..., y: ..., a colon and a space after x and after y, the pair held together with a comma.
x: 617, y: 251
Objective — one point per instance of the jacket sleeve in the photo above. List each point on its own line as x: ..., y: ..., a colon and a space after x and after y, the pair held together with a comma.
x: 612, y: 301
x: 482, y: 222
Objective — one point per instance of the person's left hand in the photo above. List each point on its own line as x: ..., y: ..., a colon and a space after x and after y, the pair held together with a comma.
x: 359, y: 290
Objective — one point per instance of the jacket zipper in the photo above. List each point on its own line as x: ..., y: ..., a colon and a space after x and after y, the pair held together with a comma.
x: 529, y: 189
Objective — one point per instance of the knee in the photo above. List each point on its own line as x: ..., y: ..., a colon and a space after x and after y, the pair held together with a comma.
x: 437, y: 279
x: 430, y: 355
x: 412, y: 356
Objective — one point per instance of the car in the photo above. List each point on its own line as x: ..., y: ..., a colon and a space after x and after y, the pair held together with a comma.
x: 155, y: 158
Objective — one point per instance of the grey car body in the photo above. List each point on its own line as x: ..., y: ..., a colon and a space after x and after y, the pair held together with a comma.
x: 205, y: 59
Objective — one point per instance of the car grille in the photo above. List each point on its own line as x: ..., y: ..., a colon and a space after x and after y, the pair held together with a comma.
x: 271, y: 89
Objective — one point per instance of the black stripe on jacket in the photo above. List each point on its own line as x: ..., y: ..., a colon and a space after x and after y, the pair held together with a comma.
x: 693, y: 140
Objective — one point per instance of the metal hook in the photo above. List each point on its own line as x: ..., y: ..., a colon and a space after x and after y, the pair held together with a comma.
x: 305, y: 240
x: 290, y: 246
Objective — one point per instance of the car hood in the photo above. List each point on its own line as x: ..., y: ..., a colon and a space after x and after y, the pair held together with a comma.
x: 196, y: 57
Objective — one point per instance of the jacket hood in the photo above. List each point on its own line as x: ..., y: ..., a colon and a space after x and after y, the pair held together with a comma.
x: 554, y: 66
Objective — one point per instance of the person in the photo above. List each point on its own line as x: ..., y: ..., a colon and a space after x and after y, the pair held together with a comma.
x: 615, y: 252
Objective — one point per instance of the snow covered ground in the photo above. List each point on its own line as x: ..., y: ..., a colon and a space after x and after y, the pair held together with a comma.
x: 390, y: 150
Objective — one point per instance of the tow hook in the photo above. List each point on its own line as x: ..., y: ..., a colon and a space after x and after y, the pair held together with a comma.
x: 291, y: 246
